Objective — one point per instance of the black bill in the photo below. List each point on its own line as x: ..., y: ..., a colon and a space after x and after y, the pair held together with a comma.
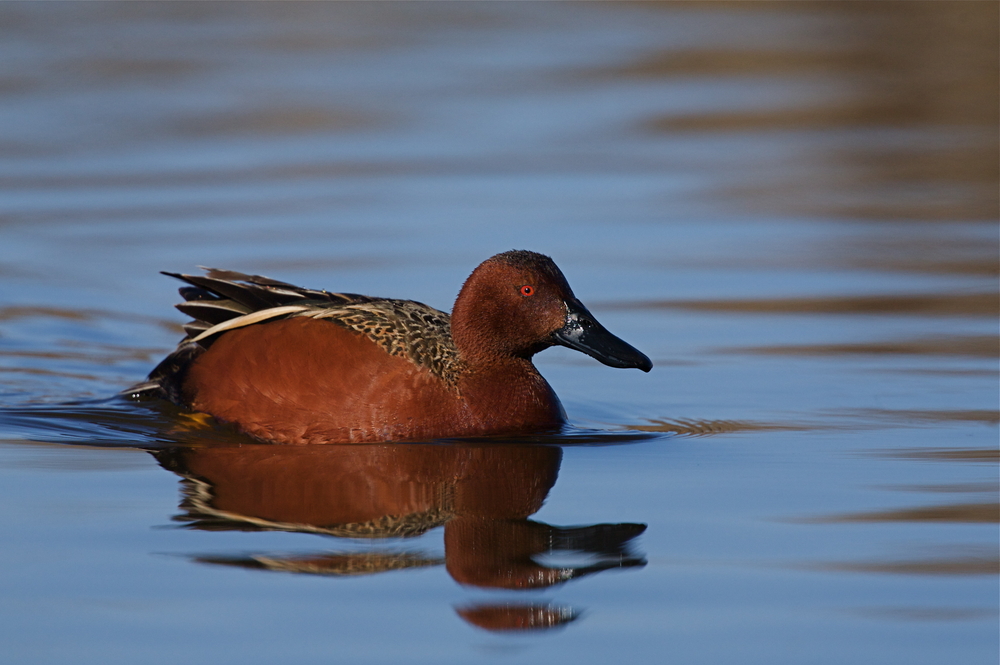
x: 583, y: 333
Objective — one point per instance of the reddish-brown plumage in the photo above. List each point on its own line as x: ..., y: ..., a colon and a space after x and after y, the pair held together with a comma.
x: 289, y: 369
x: 304, y: 380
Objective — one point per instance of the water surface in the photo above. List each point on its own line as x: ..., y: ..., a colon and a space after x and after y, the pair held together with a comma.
x: 791, y: 208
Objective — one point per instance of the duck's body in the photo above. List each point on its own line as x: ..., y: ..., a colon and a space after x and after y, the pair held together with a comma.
x: 293, y: 365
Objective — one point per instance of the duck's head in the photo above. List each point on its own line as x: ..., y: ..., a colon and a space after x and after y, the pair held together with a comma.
x: 518, y: 303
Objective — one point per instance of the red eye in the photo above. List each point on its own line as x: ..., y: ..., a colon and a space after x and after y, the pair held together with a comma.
x: 527, y: 290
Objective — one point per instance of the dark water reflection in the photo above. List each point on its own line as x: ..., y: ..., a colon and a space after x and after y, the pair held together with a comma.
x: 481, y: 494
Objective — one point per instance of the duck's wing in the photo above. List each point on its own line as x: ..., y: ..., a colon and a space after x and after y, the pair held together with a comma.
x: 224, y: 300
x: 221, y: 296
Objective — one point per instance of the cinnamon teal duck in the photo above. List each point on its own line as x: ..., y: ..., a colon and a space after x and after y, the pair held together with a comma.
x: 287, y: 364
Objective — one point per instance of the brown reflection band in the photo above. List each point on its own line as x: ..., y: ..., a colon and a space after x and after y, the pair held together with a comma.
x: 955, y: 566
x: 937, y: 304
x: 956, y: 513
x: 978, y: 346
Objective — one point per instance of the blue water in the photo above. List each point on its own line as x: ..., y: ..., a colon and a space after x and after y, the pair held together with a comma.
x: 791, y: 209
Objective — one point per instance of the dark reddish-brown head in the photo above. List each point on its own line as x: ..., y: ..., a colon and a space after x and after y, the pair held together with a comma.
x: 518, y: 303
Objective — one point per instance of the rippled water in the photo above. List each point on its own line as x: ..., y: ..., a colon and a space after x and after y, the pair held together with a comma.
x: 791, y: 208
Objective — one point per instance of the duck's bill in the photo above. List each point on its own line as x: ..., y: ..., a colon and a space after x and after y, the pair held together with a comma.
x: 583, y: 333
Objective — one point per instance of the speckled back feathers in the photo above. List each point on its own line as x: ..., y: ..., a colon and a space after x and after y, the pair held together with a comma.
x: 404, y: 328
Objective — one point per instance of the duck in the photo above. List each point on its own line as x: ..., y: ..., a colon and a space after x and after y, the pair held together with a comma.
x: 291, y: 365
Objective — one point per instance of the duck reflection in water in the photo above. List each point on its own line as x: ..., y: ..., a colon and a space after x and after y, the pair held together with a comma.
x: 482, y: 494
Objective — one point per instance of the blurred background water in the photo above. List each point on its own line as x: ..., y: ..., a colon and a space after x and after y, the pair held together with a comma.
x: 791, y: 208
